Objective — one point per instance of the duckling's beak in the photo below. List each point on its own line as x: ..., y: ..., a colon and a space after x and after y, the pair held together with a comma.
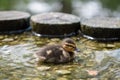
x: 77, y: 50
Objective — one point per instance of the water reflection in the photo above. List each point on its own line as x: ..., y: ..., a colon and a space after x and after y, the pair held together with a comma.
x: 100, y: 55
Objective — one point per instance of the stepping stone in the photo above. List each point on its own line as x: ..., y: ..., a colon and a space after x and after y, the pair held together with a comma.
x: 102, y: 28
x: 13, y: 21
x: 55, y: 24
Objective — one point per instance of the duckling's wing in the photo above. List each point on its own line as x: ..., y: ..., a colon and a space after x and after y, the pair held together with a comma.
x: 53, y: 54
x: 39, y: 53
x: 39, y: 56
x: 57, y: 55
x: 49, y: 53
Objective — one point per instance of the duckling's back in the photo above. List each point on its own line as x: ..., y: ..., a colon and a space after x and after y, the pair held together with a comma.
x: 50, y: 53
x: 53, y: 54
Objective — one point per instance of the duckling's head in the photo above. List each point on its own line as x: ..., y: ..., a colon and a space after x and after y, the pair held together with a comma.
x: 68, y: 45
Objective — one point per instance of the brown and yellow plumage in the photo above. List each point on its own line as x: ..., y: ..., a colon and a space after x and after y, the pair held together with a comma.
x: 58, y: 53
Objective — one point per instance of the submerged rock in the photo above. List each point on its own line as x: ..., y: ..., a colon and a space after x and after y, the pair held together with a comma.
x: 63, y: 72
x: 62, y: 78
x: 43, y: 68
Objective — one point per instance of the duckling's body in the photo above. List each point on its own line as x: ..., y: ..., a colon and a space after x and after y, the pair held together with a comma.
x: 57, y: 53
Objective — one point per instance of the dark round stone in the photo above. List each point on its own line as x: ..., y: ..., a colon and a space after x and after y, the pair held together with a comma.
x: 104, y: 28
x: 13, y: 21
x: 55, y: 24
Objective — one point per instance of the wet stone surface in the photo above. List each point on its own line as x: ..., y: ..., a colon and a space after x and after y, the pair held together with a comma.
x: 103, y: 22
x: 101, y: 28
x: 55, y: 24
x: 17, y: 61
x: 13, y: 21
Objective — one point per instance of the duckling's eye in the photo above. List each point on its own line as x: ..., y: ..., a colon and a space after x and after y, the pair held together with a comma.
x: 70, y: 46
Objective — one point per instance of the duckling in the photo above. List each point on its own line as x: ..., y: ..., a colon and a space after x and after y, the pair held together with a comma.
x: 57, y: 53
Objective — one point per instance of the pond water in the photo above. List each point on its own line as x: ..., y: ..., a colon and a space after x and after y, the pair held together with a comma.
x: 16, y: 51
x: 17, y: 61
